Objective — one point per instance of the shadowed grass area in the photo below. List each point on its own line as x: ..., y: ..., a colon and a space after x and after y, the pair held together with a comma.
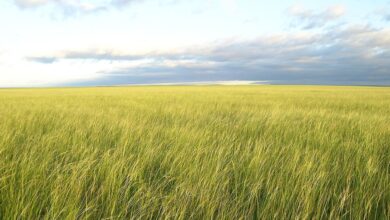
x: 195, y: 152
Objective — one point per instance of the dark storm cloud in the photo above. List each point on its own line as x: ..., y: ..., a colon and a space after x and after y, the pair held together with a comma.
x: 352, y: 55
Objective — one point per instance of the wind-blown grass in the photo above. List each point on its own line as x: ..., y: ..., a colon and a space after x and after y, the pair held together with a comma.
x: 224, y: 152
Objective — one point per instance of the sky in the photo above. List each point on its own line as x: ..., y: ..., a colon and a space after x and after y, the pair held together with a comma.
x: 123, y: 42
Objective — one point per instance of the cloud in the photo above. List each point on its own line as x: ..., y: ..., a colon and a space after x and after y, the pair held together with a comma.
x: 309, y: 19
x: 121, y: 3
x: 43, y: 59
x: 383, y: 12
x: 356, y: 54
x: 31, y: 3
x: 84, y: 55
x: 74, y: 7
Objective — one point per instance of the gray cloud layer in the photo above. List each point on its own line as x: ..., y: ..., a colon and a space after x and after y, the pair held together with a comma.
x: 352, y: 55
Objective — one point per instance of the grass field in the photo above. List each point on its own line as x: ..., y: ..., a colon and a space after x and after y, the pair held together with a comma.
x: 200, y: 152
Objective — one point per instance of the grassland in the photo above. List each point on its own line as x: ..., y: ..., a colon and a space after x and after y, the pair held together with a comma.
x: 201, y: 152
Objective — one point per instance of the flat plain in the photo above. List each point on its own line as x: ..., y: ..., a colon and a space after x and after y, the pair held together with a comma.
x: 195, y: 152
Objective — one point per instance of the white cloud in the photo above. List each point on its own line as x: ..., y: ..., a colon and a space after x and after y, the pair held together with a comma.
x: 309, y: 19
x: 111, y: 48
x: 22, y: 73
x: 230, y: 5
x: 383, y: 12
x: 354, y: 54
x: 75, y: 7
x: 31, y: 3
x: 335, y: 11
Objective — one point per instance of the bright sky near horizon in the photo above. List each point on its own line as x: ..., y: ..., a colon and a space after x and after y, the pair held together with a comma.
x: 117, y: 42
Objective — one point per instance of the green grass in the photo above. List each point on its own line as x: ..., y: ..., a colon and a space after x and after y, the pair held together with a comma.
x: 201, y: 152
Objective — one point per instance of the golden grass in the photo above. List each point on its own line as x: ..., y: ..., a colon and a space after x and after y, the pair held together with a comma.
x: 195, y: 152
